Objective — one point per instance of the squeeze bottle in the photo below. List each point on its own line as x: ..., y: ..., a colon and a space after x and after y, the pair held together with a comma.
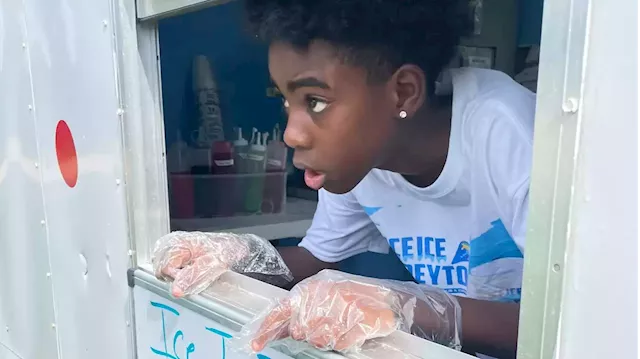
x: 276, y: 153
x: 240, y: 150
x: 276, y: 178
x: 256, y: 160
x: 222, y: 158
x: 242, y: 182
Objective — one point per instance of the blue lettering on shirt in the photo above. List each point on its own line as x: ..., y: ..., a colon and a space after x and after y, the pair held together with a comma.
x: 462, y: 273
x: 432, y: 262
x: 435, y: 274
x: 419, y: 248
x: 427, y: 248
x: 426, y: 258
x: 440, y: 249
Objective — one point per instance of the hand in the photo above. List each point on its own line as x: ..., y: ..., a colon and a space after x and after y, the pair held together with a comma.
x: 333, y: 314
x: 194, y: 260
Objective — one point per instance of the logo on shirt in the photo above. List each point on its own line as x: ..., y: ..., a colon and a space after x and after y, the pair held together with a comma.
x: 462, y: 254
x: 447, y: 264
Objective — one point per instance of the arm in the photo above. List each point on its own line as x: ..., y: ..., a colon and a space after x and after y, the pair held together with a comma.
x: 340, y: 229
x: 302, y: 263
x: 489, y: 328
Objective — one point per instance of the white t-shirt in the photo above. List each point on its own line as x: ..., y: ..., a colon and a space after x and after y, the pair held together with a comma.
x: 465, y: 233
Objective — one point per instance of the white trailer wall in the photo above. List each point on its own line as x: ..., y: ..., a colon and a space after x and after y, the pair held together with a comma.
x: 580, y: 297
x: 599, y: 317
x: 63, y: 249
x: 26, y: 293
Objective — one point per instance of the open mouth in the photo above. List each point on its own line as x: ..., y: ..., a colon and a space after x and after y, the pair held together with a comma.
x: 313, y: 179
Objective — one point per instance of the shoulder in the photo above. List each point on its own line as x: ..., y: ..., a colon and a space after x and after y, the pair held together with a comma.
x: 483, y: 96
x: 485, y: 99
x: 496, y: 119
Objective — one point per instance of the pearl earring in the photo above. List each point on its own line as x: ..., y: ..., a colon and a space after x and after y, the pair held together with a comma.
x: 403, y: 114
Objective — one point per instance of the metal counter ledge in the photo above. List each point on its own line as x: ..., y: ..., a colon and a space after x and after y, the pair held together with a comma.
x: 234, y: 300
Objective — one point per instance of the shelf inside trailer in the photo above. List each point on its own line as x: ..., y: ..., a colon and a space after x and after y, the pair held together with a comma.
x: 293, y: 222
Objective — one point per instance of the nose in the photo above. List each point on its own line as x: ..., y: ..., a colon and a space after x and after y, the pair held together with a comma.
x: 296, y: 134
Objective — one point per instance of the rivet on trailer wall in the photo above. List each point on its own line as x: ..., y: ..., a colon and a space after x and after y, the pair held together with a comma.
x: 570, y: 105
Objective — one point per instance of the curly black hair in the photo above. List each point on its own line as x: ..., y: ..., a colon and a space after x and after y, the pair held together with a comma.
x: 379, y: 35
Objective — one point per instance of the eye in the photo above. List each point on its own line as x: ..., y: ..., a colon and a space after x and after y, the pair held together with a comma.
x: 316, y: 105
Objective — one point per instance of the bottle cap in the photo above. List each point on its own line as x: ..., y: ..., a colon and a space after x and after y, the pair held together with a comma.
x: 240, y: 141
x: 256, y: 144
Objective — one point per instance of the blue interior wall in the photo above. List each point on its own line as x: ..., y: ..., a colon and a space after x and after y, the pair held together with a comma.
x: 529, y: 22
x: 239, y: 65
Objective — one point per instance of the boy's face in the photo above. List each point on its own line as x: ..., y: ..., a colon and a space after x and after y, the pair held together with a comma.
x: 339, y: 124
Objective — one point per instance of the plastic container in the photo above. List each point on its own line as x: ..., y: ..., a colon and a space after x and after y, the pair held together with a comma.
x: 210, y: 192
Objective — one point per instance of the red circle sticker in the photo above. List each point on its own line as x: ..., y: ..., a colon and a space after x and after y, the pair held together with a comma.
x: 66, y: 153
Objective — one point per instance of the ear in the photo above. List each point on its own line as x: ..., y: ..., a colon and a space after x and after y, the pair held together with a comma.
x: 409, y: 86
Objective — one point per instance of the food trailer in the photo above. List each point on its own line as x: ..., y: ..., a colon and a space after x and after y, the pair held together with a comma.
x: 88, y: 101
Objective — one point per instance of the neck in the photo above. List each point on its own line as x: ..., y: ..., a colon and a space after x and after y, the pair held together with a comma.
x: 421, y: 148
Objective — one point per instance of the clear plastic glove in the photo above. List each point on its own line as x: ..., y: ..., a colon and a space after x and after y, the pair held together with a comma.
x: 194, y: 260
x: 338, y: 311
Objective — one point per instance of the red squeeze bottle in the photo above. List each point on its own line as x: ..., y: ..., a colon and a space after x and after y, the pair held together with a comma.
x: 223, y: 179
x: 222, y: 158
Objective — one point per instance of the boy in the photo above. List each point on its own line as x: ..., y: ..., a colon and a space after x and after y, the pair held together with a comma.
x: 441, y: 179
